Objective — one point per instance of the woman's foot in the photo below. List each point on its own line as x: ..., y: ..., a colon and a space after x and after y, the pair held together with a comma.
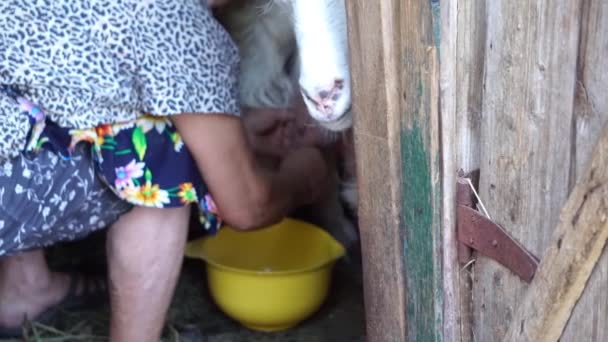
x: 28, y: 289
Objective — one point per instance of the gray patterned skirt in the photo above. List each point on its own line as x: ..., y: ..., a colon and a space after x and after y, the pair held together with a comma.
x: 46, y: 200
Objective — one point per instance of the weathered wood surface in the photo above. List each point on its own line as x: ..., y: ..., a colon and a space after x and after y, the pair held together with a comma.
x: 576, y: 246
x: 470, y: 47
x: 395, y: 105
x: 421, y: 163
x: 376, y: 110
x: 530, y: 70
x: 462, y: 58
x: 589, y: 320
x: 451, y: 274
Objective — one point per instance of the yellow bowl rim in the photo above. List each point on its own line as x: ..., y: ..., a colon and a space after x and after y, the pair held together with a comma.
x: 340, y: 253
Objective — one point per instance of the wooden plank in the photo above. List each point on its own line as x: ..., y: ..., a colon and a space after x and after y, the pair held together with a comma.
x: 375, y: 118
x: 576, y: 246
x: 590, y: 316
x: 462, y: 59
x: 421, y: 209
x: 470, y: 67
x: 469, y: 60
x: 421, y: 164
x: 448, y: 81
x: 530, y: 69
x: 396, y: 129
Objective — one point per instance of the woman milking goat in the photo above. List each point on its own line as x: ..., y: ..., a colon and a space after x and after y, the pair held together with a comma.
x: 125, y: 113
x: 294, y: 50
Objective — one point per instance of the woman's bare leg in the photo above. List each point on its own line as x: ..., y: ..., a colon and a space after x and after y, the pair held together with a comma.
x: 145, y: 254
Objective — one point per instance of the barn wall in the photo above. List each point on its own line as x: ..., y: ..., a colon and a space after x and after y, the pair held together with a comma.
x: 590, y: 316
x: 523, y: 98
x: 521, y: 91
x: 526, y: 139
x: 462, y: 64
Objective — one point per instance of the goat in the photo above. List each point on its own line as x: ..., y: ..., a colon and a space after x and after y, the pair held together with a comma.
x: 290, y: 44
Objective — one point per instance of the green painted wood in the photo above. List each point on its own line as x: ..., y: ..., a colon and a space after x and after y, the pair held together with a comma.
x: 396, y: 130
x: 421, y: 167
x: 420, y: 198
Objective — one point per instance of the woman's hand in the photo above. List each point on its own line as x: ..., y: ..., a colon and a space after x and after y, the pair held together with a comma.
x: 269, y: 131
x: 248, y: 196
x: 275, y: 132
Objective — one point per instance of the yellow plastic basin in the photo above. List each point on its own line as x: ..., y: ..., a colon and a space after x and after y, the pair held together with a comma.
x: 269, y: 279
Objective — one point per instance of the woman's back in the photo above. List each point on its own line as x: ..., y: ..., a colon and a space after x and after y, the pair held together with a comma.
x: 89, y: 62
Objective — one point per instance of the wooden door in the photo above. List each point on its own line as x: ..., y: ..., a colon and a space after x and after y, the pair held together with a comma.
x: 515, y: 89
x: 520, y: 89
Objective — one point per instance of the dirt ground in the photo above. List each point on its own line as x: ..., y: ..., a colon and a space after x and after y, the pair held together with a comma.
x: 194, y: 317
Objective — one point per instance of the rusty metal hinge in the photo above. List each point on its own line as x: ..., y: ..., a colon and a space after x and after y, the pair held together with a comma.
x: 477, y: 232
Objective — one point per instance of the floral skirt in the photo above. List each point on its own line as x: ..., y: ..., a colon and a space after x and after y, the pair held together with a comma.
x: 144, y: 161
x: 46, y: 200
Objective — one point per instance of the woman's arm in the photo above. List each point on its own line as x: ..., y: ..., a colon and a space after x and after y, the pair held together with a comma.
x: 246, y: 195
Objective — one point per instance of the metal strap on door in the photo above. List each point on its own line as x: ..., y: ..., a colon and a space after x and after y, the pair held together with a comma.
x: 477, y: 232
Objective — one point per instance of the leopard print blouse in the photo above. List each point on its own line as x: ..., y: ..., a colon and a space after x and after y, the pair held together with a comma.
x: 90, y: 62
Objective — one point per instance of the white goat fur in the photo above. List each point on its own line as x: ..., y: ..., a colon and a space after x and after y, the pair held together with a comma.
x: 274, y: 58
x: 313, y: 32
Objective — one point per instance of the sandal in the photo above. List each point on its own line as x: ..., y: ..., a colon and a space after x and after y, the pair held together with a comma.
x: 84, y: 291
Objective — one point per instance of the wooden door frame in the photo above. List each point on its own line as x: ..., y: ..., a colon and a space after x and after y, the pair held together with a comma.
x: 394, y: 62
